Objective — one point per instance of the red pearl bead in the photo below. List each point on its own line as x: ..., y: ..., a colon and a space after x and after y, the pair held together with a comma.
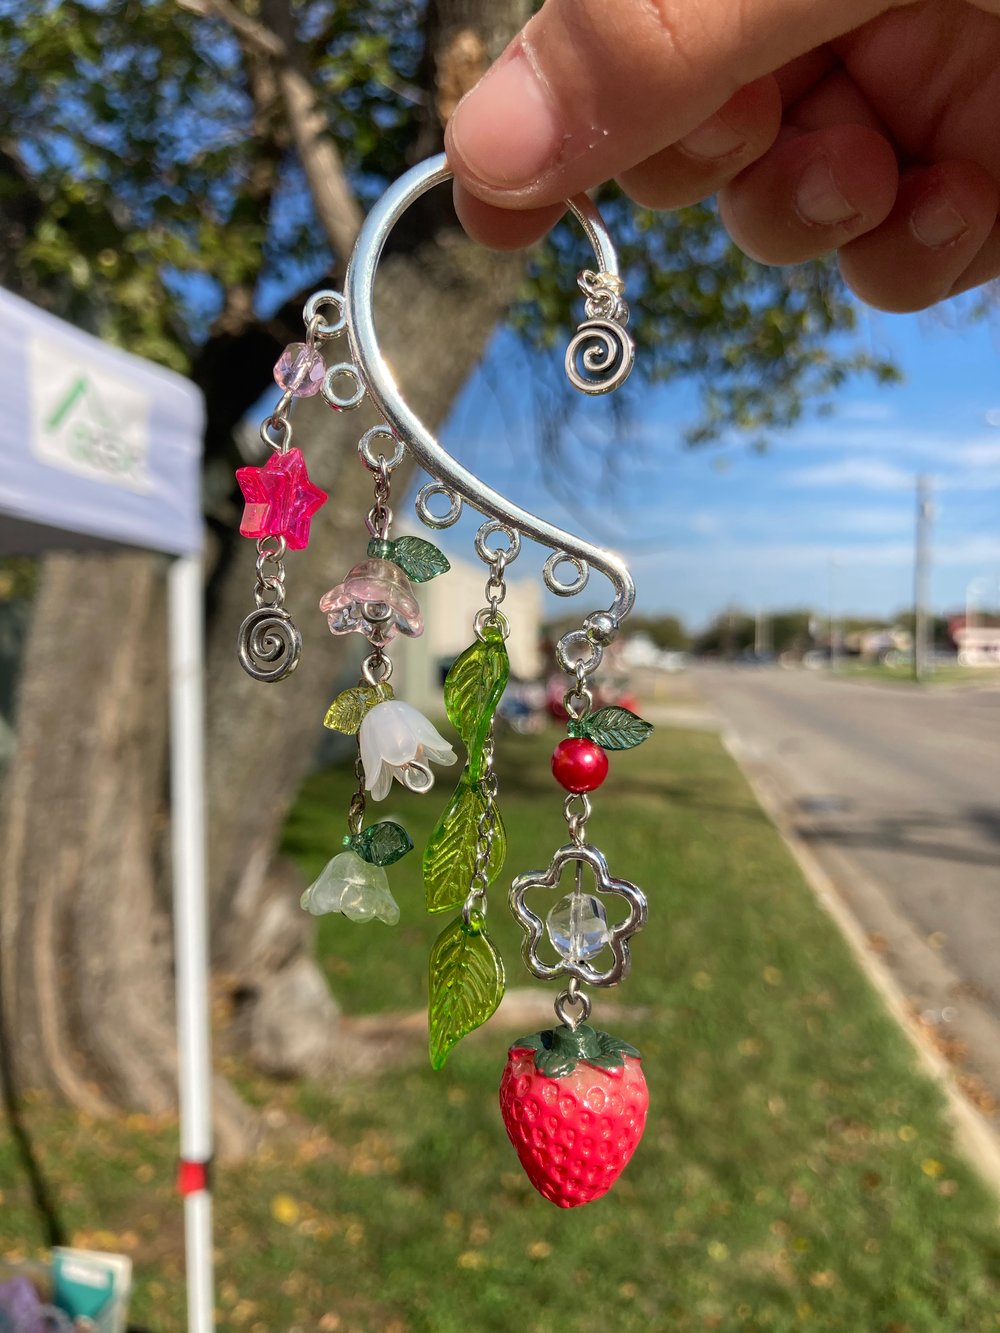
x: 579, y: 765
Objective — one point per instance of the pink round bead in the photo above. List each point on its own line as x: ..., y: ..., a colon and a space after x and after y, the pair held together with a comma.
x: 300, y: 370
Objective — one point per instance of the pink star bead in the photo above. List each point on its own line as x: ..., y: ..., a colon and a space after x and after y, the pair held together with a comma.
x: 281, y: 499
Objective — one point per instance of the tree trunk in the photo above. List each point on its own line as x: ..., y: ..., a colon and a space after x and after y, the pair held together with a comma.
x: 85, y: 947
x: 85, y: 992
x: 81, y: 928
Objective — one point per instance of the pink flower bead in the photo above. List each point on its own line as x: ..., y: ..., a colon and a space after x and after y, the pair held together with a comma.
x: 374, y: 588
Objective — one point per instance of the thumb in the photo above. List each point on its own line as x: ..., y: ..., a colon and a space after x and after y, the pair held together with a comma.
x: 590, y: 88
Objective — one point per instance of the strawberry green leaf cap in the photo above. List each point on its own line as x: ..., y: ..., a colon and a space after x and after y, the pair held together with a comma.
x: 559, y: 1050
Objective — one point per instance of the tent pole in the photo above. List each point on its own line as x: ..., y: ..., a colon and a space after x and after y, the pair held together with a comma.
x: 187, y: 792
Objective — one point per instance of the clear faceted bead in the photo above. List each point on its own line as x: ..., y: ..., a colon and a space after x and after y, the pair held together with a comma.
x: 578, y: 927
x: 300, y: 370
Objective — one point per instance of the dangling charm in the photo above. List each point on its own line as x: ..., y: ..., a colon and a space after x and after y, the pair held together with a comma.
x: 280, y: 504
x: 466, y: 851
x: 574, y: 1103
x: 573, y: 1098
x: 376, y: 599
x: 593, y: 1080
x: 354, y: 881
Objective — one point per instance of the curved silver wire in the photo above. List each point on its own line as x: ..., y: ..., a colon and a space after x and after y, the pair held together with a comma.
x: 378, y: 379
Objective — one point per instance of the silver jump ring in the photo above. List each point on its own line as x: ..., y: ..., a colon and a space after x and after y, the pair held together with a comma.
x: 489, y: 616
x: 379, y: 521
x: 342, y: 402
x: 553, y: 584
x: 376, y: 462
x: 311, y: 311
x: 278, y: 576
x: 591, y: 659
x: 424, y: 512
x: 488, y: 553
x: 276, y: 552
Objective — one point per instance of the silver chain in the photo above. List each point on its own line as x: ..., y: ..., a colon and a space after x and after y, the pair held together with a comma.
x: 490, y: 616
x: 578, y: 699
x: 475, y: 902
x: 379, y: 518
x: 577, y: 810
x: 270, y: 587
x: 356, y: 810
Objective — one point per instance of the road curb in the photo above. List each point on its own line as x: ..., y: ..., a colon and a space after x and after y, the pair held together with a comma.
x: 974, y: 1135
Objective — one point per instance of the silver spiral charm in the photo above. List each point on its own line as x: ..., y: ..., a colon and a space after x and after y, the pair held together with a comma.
x: 269, y: 644
x: 606, y: 353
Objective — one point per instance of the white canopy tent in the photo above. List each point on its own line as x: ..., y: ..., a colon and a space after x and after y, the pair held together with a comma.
x: 98, y: 447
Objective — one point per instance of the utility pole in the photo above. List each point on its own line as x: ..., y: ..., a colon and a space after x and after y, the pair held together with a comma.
x: 761, y: 634
x: 921, y: 566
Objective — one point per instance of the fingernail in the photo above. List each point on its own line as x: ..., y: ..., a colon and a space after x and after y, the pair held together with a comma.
x: 712, y: 139
x: 936, y: 222
x: 506, y: 131
x: 817, y: 200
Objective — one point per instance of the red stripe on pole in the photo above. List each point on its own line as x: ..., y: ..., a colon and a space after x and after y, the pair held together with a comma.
x: 191, y: 1177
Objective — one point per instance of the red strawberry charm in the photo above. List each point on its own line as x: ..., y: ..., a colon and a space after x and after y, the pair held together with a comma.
x: 574, y: 1105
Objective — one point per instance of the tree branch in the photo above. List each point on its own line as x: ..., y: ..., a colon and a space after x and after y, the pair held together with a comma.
x: 250, y: 32
x: 336, y: 207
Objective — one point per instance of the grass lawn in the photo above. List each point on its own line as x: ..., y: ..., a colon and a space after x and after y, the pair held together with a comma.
x: 903, y: 675
x: 796, y: 1172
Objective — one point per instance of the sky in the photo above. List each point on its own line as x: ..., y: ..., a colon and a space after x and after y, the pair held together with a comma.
x: 824, y: 519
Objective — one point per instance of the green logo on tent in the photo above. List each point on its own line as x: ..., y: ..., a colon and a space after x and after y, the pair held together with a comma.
x: 88, y: 434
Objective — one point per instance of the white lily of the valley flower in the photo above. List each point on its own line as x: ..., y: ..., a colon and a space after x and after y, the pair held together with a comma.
x: 398, y: 742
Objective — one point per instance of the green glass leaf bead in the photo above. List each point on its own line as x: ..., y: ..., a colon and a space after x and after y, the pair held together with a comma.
x: 466, y: 985
x: 420, y: 560
x: 473, y: 689
x: 350, y: 708
x: 611, y: 728
x: 382, y: 844
x: 450, y: 854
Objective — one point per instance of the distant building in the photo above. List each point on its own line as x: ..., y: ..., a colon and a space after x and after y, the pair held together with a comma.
x: 978, y: 645
x: 449, y: 604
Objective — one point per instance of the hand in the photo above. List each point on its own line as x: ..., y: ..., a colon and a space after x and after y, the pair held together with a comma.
x: 866, y: 126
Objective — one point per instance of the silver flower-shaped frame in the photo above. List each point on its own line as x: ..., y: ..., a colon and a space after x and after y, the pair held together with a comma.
x: 605, y: 883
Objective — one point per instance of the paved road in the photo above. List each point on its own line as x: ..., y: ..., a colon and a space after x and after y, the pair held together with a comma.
x: 898, y: 793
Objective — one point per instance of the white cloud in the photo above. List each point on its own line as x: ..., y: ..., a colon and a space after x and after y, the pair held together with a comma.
x: 873, y: 474
x: 707, y: 524
x: 978, y: 453
x: 866, y: 522
x: 866, y: 410
x: 973, y: 550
